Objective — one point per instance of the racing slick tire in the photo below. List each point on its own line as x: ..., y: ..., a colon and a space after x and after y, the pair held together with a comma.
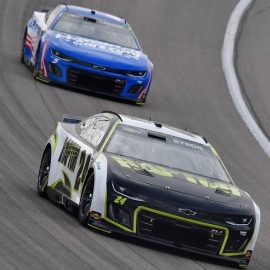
x: 86, y: 200
x: 43, y: 173
x: 35, y: 68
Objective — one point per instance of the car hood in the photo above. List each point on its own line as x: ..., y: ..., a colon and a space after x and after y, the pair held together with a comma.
x: 176, y: 181
x: 98, y: 52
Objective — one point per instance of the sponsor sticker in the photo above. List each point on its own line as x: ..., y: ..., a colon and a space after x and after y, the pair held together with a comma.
x: 96, y: 44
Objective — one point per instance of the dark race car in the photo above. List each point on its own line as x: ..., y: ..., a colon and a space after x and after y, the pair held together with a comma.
x: 150, y: 181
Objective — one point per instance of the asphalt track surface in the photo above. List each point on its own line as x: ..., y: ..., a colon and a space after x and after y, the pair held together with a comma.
x: 184, y: 39
x: 254, y: 62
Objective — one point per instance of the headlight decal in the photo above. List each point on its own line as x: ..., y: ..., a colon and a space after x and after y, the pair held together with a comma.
x: 121, y: 190
x: 60, y: 55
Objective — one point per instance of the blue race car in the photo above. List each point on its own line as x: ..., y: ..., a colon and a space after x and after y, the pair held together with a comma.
x: 88, y: 50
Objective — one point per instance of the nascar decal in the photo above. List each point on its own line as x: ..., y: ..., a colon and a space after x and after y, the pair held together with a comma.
x: 166, y: 172
x: 116, y: 49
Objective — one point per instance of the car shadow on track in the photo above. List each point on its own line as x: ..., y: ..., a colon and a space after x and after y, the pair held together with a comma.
x: 167, y: 250
x: 154, y: 246
x: 92, y: 93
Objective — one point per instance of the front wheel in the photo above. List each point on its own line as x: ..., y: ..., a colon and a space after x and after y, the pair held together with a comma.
x: 86, y: 201
x: 43, y: 174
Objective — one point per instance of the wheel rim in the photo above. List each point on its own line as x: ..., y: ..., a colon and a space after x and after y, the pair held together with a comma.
x: 44, y: 172
x: 86, y: 199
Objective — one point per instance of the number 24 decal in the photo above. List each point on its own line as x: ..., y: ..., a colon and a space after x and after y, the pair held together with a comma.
x: 120, y: 200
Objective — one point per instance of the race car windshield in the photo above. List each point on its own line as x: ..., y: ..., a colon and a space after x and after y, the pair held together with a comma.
x: 167, y: 151
x: 97, y: 30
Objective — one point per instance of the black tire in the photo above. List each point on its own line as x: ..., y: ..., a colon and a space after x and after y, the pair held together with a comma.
x: 86, y: 200
x: 43, y: 173
x: 35, y: 68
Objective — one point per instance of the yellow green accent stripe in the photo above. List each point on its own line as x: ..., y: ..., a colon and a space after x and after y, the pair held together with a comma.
x: 99, y: 229
x: 66, y: 177
x: 42, y: 80
x: 118, y: 225
x: 59, y: 180
x: 54, y: 184
x: 205, y: 224
x: 140, y: 208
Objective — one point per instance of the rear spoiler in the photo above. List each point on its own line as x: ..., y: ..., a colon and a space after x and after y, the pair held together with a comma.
x: 71, y: 119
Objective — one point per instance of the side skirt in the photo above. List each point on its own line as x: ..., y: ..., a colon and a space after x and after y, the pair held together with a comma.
x: 61, y: 199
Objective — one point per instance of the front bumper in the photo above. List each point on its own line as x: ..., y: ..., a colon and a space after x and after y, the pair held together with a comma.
x: 96, y: 80
x: 141, y: 219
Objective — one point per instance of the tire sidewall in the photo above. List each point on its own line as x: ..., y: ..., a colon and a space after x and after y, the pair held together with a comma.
x: 42, y: 191
x: 84, y: 219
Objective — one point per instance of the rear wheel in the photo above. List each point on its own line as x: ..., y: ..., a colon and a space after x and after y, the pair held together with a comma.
x: 35, y: 67
x: 43, y: 174
x: 86, y: 201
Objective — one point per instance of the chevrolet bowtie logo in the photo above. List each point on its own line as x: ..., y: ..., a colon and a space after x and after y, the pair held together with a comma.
x: 99, y: 67
x: 186, y: 212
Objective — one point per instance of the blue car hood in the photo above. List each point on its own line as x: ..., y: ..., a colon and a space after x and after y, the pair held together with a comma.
x: 98, y: 52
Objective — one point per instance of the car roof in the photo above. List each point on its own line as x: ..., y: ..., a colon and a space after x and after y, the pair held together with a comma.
x: 93, y: 13
x: 160, y: 128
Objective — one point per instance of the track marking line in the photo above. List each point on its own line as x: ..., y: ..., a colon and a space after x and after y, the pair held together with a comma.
x: 228, y: 65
